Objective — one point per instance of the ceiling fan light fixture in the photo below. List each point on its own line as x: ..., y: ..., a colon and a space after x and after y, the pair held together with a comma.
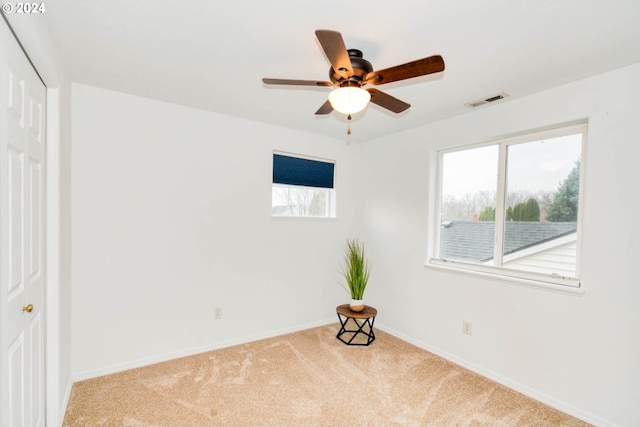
x: 349, y: 100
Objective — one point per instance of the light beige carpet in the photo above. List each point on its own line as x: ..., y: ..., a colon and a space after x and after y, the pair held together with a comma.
x: 307, y: 378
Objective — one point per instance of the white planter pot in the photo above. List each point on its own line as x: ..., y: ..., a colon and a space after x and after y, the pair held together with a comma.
x: 356, y: 305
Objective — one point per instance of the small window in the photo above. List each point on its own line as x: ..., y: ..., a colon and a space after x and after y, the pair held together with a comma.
x: 512, y: 207
x: 302, y: 187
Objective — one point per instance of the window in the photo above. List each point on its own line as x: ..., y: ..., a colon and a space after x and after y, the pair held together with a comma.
x: 302, y: 187
x: 512, y: 207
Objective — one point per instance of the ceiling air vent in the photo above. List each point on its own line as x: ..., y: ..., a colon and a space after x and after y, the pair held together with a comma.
x: 492, y: 98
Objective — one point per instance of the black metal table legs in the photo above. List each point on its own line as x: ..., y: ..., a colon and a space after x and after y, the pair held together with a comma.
x: 364, y: 328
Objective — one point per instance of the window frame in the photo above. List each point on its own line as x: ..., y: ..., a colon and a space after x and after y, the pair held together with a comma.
x: 499, y: 271
x: 331, y: 203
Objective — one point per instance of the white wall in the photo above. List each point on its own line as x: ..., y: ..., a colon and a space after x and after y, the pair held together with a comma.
x: 171, y: 217
x: 580, y: 353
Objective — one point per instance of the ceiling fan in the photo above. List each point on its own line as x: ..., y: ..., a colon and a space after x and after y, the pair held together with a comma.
x: 349, y: 72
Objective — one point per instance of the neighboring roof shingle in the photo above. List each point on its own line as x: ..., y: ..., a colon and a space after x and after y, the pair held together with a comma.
x: 473, y: 240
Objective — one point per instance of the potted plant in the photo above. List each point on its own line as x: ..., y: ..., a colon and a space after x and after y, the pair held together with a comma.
x: 356, y: 273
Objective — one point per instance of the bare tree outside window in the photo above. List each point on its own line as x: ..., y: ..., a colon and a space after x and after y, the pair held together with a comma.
x: 300, y: 201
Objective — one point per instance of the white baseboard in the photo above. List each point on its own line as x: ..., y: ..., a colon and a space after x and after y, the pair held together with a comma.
x: 534, y: 394
x: 112, y: 369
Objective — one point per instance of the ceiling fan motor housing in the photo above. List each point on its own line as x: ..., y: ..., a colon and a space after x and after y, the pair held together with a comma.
x: 361, y: 67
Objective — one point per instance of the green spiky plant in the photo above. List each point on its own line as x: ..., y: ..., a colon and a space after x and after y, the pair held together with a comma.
x: 355, y: 269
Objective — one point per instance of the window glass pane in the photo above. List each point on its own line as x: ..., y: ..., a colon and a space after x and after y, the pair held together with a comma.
x: 541, y: 206
x: 290, y: 200
x: 469, y: 181
x: 534, y: 181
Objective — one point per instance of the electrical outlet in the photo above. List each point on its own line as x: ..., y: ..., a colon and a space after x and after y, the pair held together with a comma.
x: 217, y: 312
x: 467, y: 327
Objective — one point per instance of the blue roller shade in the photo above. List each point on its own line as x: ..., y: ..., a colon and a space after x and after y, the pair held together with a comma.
x: 296, y: 171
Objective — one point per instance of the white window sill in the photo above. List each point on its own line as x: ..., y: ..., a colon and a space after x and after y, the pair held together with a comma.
x: 457, y: 269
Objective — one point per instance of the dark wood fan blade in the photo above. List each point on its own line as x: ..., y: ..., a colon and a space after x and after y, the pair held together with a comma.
x: 421, y: 67
x: 295, y: 82
x: 333, y: 46
x: 325, y: 109
x: 387, y: 101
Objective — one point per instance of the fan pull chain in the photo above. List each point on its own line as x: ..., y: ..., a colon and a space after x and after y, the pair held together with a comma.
x: 349, y: 124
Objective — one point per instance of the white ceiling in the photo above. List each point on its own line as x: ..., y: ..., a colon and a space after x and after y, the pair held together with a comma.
x: 212, y: 54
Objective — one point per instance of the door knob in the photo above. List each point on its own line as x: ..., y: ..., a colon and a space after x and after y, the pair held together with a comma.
x: 28, y: 308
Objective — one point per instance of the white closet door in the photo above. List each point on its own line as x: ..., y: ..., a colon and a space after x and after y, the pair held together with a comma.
x: 22, y: 157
